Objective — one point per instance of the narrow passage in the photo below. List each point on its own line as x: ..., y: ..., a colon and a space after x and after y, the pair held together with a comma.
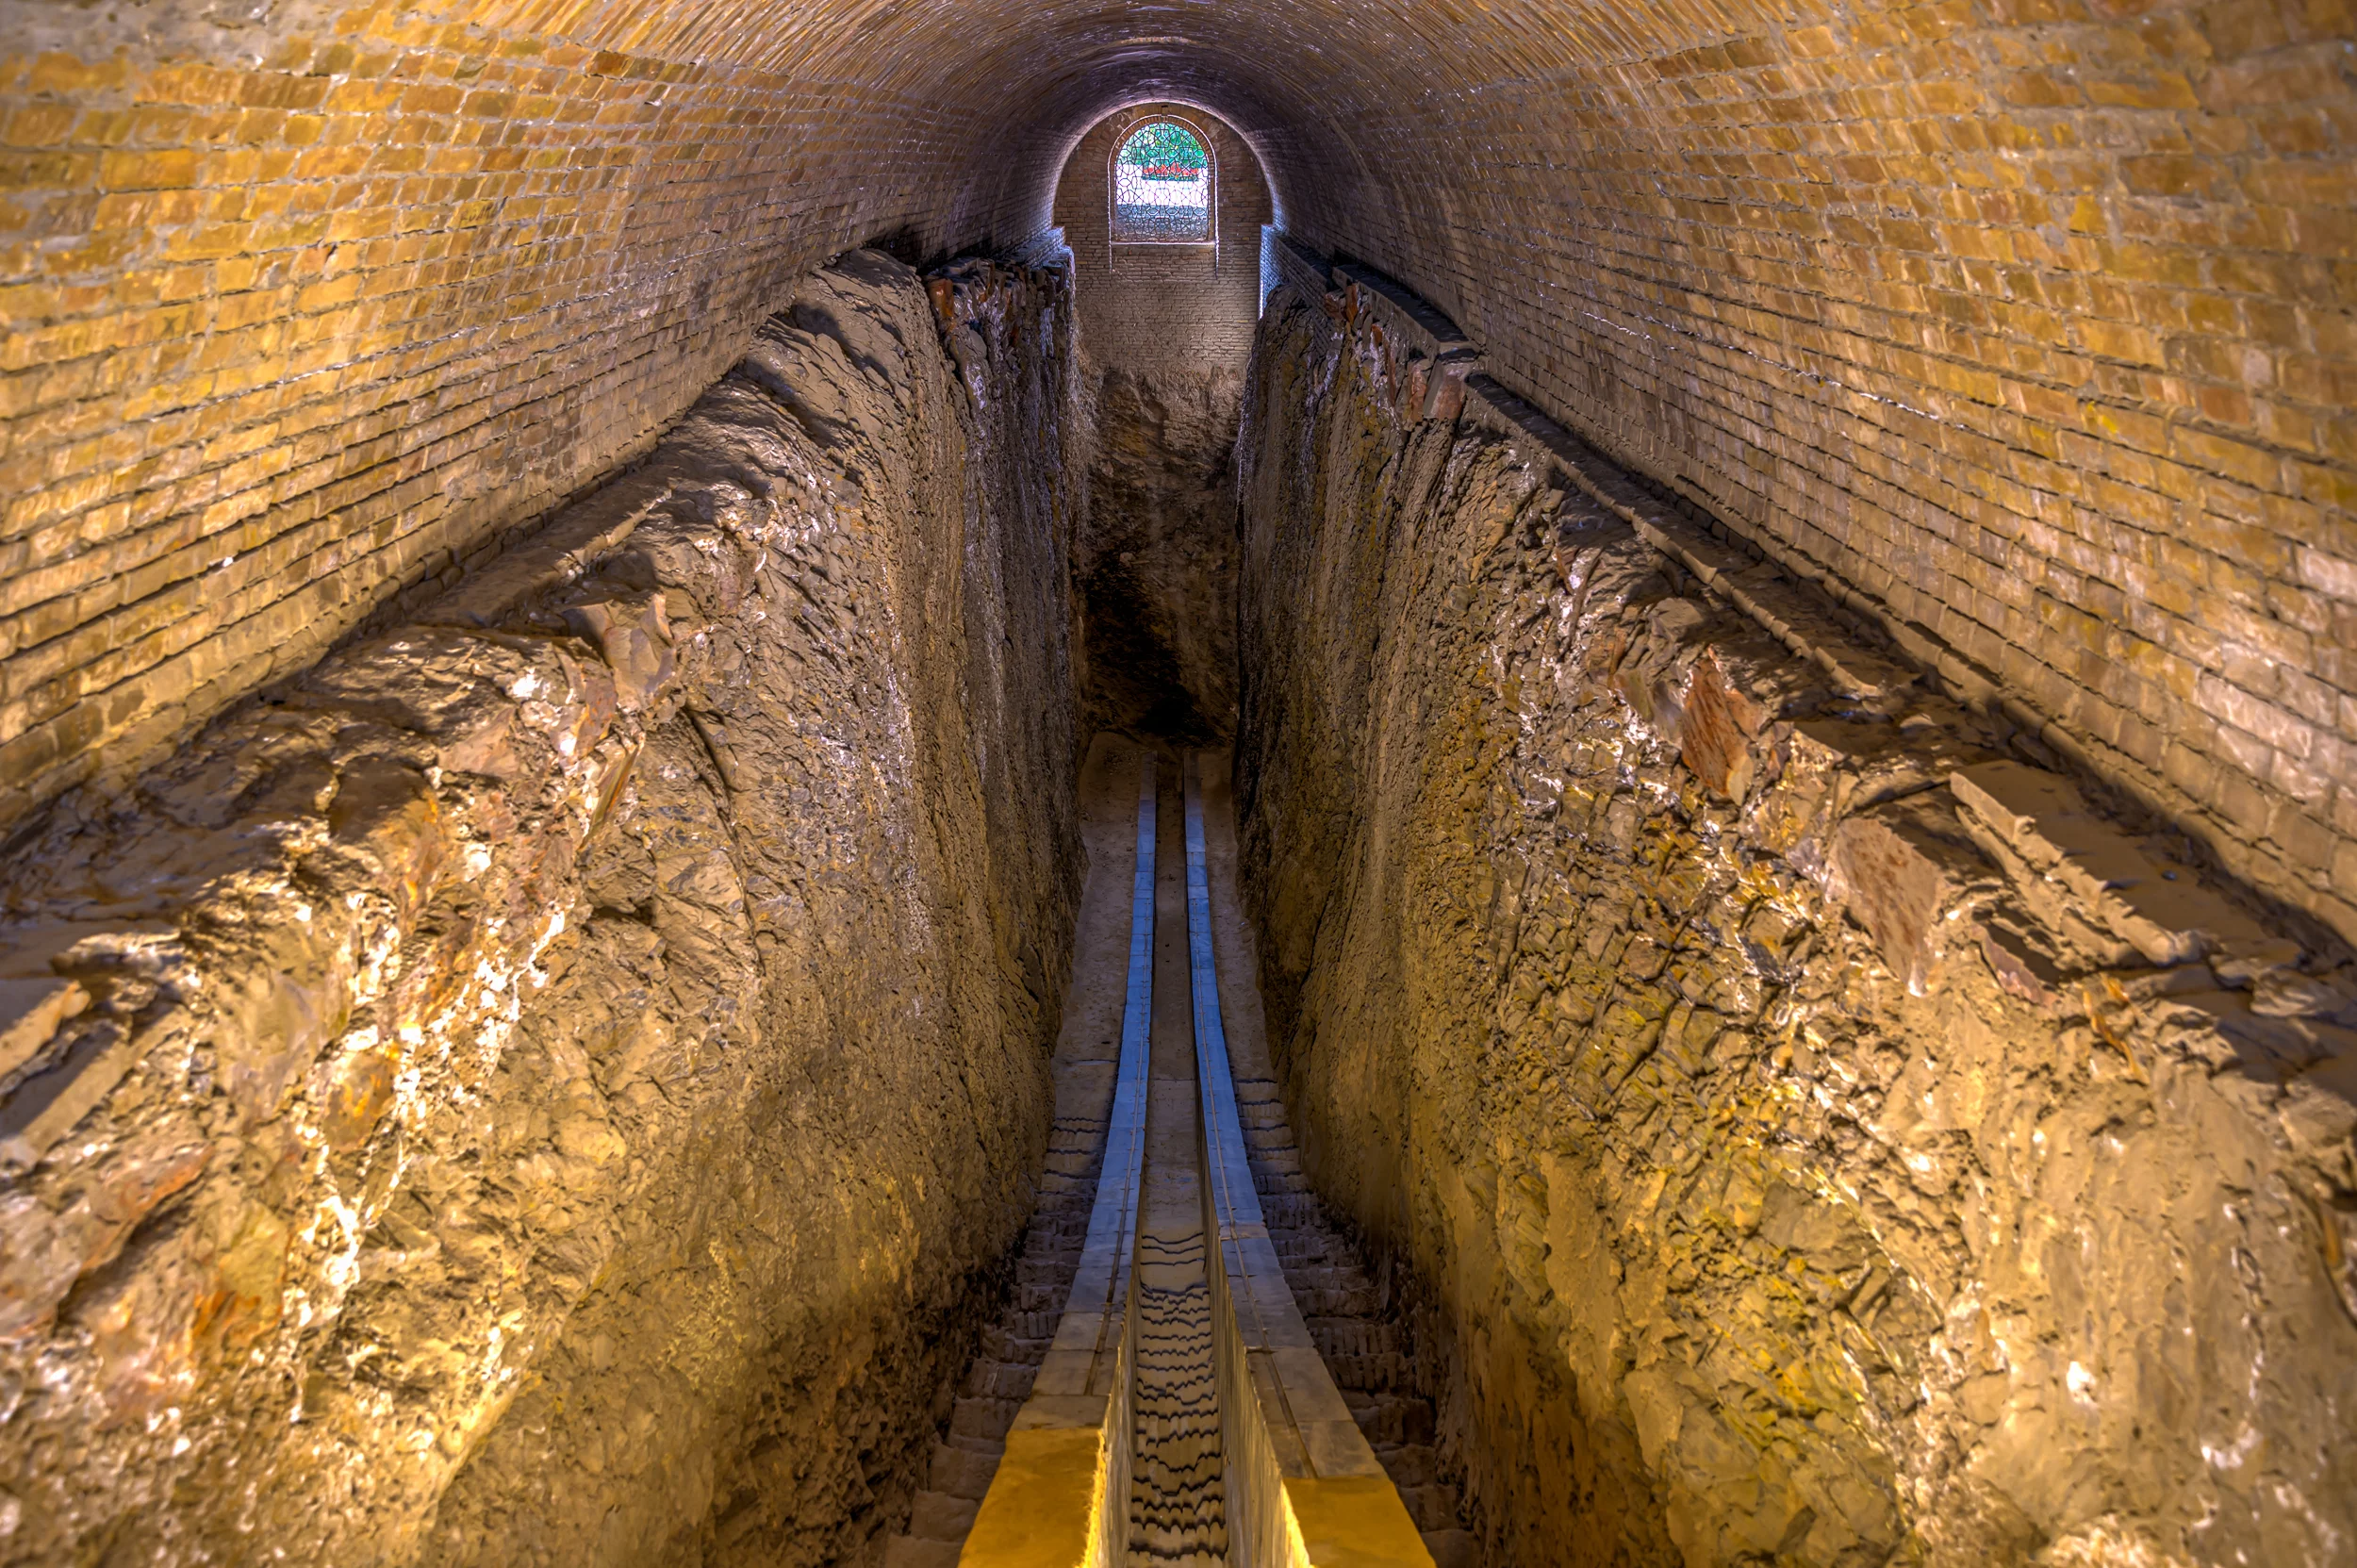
x: 1177, y: 1411
x: 1177, y: 1502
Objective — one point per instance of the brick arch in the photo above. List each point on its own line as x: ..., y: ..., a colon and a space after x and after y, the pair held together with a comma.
x: 2026, y: 325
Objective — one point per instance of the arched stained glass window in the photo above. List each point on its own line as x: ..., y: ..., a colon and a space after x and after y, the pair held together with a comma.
x: 1162, y: 187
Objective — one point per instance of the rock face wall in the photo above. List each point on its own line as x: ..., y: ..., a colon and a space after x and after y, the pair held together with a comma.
x: 1819, y: 1133
x: 553, y: 1084
x: 1165, y: 333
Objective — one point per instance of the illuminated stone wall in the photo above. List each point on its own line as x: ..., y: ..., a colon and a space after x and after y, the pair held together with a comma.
x: 1164, y: 334
x: 1809, y: 1133
x: 556, y: 1083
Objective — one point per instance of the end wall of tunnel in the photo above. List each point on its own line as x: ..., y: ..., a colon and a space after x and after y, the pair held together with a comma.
x: 1165, y: 331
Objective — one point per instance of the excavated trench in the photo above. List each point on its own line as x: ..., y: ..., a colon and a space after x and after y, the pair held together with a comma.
x: 1251, y: 956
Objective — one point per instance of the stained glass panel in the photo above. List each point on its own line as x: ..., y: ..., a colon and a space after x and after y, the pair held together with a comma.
x: 1162, y: 185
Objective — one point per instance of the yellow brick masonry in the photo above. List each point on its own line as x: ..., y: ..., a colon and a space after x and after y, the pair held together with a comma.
x: 2029, y: 325
x: 281, y: 341
x: 1154, y: 307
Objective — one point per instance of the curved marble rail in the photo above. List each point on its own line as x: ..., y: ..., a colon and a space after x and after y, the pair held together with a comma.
x: 1183, y: 1415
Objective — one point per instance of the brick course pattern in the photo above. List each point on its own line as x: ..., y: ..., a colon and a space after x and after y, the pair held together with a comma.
x: 2025, y: 325
x: 1147, y: 308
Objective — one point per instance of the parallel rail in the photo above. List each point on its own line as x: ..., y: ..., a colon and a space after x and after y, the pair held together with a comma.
x: 1303, y: 1488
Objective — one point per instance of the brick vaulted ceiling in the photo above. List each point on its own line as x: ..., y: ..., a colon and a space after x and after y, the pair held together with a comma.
x: 2025, y: 323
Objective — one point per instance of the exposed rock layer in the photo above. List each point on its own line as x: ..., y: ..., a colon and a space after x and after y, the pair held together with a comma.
x: 553, y: 1082
x: 1823, y: 1137
x: 1157, y: 560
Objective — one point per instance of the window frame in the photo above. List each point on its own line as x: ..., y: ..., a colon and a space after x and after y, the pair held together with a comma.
x: 1211, y: 192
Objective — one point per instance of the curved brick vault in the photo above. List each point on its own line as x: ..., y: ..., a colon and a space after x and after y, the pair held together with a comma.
x: 2027, y: 322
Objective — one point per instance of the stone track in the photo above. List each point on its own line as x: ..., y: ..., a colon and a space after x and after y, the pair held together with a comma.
x: 1177, y: 1502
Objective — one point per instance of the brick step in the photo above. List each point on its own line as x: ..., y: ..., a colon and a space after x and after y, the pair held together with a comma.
x: 1371, y: 1373
x: 988, y: 1418
x: 1409, y: 1463
x: 989, y: 1380
x: 1333, y: 1274
x: 963, y: 1472
x: 1001, y: 1342
x: 1452, y: 1548
x: 1354, y: 1336
x: 939, y: 1516
x: 905, y: 1551
x: 1387, y: 1420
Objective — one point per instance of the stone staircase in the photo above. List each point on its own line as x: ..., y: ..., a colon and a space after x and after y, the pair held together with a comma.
x: 1363, y: 1345
x: 966, y: 1451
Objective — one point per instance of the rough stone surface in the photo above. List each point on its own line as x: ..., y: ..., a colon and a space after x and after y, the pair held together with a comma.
x: 557, y: 1081
x: 1822, y: 1136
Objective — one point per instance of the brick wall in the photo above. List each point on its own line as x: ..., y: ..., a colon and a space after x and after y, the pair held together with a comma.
x: 2027, y: 324
x: 1151, y: 307
x: 284, y: 336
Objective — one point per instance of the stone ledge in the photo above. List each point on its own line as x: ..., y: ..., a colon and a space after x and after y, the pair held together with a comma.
x: 1795, y: 603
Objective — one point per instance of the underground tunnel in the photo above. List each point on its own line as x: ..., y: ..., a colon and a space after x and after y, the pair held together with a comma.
x: 1459, y: 783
